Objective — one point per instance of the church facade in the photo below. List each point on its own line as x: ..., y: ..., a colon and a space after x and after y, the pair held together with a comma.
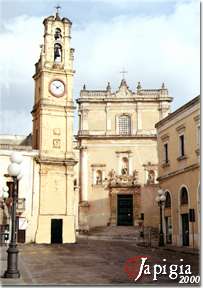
x: 107, y: 176
x: 118, y: 155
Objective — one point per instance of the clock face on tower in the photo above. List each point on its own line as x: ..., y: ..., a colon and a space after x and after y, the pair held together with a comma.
x: 57, y: 88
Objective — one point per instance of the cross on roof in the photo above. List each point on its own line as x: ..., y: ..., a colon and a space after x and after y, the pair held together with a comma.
x: 57, y: 8
x: 123, y: 73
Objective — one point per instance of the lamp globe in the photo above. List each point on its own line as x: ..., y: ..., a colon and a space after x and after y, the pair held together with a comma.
x: 14, y: 169
x: 16, y: 157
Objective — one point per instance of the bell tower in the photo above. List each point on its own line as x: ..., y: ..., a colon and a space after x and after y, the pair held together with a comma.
x: 53, y: 132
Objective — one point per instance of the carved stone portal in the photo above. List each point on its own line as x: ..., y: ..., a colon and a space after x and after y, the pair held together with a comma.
x: 114, y: 192
x: 123, y: 184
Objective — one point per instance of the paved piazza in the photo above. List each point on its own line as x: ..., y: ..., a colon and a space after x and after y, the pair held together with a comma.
x: 92, y: 262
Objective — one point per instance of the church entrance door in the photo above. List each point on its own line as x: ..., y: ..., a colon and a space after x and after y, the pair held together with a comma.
x: 56, y: 230
x: 125, y: 210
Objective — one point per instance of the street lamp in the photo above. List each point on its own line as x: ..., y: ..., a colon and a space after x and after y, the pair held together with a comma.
x: 5, y: 195
x: 160, y: 199
x: 5, y: 191
x: 14, y: 170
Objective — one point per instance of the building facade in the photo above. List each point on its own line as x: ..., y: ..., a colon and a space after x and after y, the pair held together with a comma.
x: 28, y: 188
x: 118, y: 155
x: 179, y: 169
x: 53, y: 132
x: 115, y: 180
x: 48, y: 184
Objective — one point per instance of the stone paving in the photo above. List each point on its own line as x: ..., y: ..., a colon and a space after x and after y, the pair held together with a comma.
x: 92, y: 262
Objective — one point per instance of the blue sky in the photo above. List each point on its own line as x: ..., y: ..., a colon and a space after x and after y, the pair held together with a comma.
x: 154, y: 41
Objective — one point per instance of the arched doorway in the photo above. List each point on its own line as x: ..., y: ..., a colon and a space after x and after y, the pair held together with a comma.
x: 184, y: 215
x: 167, y: 218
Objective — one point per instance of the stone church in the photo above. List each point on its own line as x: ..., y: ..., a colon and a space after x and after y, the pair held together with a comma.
x: 118, y: 154
x: 107, y: 176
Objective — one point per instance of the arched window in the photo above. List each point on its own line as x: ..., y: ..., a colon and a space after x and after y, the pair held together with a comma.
x: 98, y: 177
x: 183, y: 196
x: 57, y: 52
x: 57, y: 34
x: 125, y: 166
x: 168, y: 200
x: 124, y: 125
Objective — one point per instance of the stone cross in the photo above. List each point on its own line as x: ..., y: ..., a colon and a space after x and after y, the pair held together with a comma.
x: 123, y: 73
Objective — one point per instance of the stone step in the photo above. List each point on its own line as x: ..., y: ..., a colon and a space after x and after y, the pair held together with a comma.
x: 121, y: 233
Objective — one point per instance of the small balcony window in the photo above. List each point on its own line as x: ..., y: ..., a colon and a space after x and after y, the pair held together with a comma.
x: 183, y: 196
x: 182, y: 145
x: 166, y: 153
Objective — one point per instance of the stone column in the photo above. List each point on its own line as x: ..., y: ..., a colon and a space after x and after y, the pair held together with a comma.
x: 117, y: 125
x: 85, y: 120
x: 108, y: 121
x: 76, y: 208
x: 130, y: 164
x: 139, y: 118
x: 69, y: 129
x: 70, y: 195
x: 133, y: 123
x: 113, y: 207
x: 103, y: 175
x: 84, y: 173
x: 119, y: 164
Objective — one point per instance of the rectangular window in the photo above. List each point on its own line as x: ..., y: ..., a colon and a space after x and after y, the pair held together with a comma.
x: 124, y: 125
x: 182, y: 145
x: 198, y: 136
x: 166, y: 152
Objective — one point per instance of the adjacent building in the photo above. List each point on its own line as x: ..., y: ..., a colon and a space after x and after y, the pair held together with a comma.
x: 179, y: 173
x: 28, y: 188
x: 118, y: 155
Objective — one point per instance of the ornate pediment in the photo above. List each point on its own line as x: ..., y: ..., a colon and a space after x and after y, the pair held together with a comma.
x: 123, y: 90
x: 125, y: 180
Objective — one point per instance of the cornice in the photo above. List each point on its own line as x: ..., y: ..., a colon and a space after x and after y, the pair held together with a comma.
x: 55, y: 161
x: 126, y: 99
x: 42, y: 104
x: 177, y: 172
x: 179, y: 111
x: 141, y: 136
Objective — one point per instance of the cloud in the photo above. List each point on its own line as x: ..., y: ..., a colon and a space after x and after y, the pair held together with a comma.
x: 152, y: 48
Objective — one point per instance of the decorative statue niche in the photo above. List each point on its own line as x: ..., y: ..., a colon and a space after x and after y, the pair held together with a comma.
x: 125, y: 166
x: 57, y: 53
x: 98, y: 177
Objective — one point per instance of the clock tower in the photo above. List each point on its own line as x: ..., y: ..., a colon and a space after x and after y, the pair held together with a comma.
x: 53, y: 133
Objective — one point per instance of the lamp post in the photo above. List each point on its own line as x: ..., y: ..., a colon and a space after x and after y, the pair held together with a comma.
x: 5, y: 195
x: 160, y: 199
x: 14, y: 170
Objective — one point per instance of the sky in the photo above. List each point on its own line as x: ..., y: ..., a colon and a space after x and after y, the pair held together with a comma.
x: 155, y: 41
